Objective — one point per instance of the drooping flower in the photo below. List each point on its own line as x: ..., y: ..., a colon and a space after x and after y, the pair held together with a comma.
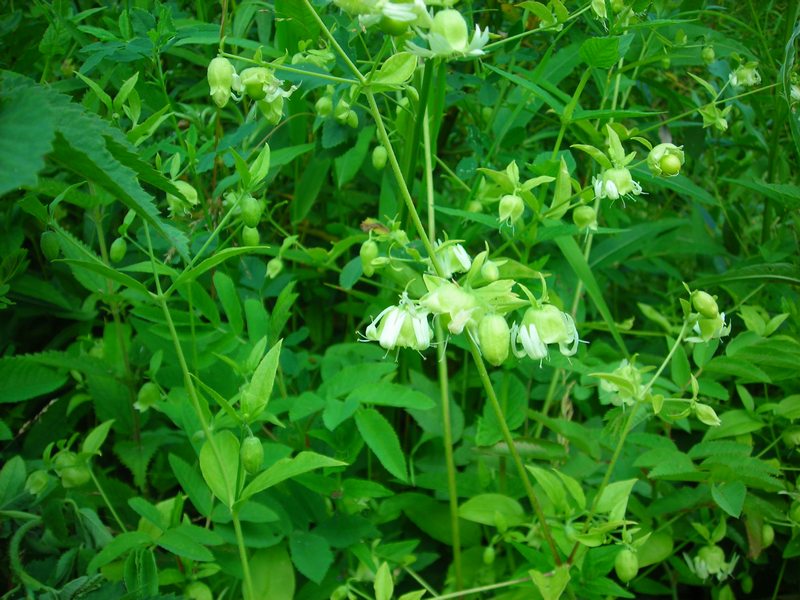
x: 615, y: 183
x: 746, y: 75
x: 452, y: 258
x: 458, y: 306
x: 541, y: 326
x: 221, y: 75
x: 402, y: 326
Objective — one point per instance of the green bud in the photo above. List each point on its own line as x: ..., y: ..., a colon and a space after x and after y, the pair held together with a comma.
x: 274, y: 267
x: 379, y: 157
x: 48, y: 242
x: 626, y: 565
x: 510, y: 209
x: 324, y: 106
x: 119, y: 247
x: 37, y: 482
x: 488, y: 555
x: 585, y: 217
x: 197, y: 590
x: 706, y: 414
x: 713, y: 557
x: 368, y: 252
x: 747, y: 584
x: 705, y: 304
x: 708, y: 55
x: 767, y: 535
x: 250, y: 236
x: 342, y: 110
x: 352, y: 119
x: 252, y: 455
x: 251, y: 211
x: 75, y: 476
x: 490, y: 271
x: 220, y: 80
x: 494, y: 337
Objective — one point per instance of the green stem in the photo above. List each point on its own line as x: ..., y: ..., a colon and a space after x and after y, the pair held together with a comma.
x: 483, y: 588
x: 248, y: 580
x: 512, y: 448
x: 108, y: 503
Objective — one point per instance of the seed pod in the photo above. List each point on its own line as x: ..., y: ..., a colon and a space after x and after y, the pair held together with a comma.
x: 585, y: 217
x: 49, y: 245
x: 250, y: 236
x: 255, y: 81
x: 252, y: 455
x: 708, y: 55
x: 494, y: 336
x: 251, y: 211
x: 767, y: 535
x: 368, y: 253
x: 324, y: 107
x: 119, y: 248
x: 488, y: 555
x: 626, y: 565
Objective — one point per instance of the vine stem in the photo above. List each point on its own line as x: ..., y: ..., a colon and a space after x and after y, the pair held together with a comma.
x: 625, y: 431
x: 523, y: 474
x: 195, y: 400
x: 248, y: 579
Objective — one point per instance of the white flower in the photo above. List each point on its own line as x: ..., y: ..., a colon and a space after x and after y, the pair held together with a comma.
x: 615, y: 183
x: 459, y: 306
x: 710, y: 329
x: 532, y: 344
x: 404, y: 326
x: 452, y: 258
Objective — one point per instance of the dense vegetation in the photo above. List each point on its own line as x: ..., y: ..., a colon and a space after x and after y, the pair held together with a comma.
x: 370, y: 299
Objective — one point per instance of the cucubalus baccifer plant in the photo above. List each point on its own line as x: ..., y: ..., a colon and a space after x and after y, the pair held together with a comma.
x: 388, y: 340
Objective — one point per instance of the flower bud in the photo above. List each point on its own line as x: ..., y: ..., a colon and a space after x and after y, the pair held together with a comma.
x: 488, y: 555
x: 767, y: 535
x: 705, y: 304
x: 708, y: 54
x: 252, y: 455
x: 379, y: 157
x: 746, y: 75
x: 251, y: 211
x: 510, y: 209
x: 37, y: 482
x: 368, y: 252
x: 324, y: 106
x: 49, y: 245
x: 490, y: 271
x: 452, y: 27
x: 626, y: 565
x: 220, y: 80
x: 197, y: 590
x: 274, y: 267
x: 665, y: 160
x: 494, y: 336
x: 342, y: 110
x: 585, y: 217
x: 119, y: 247
x: 352, y: 119
x: 250, y: 236
x: 706, y: 414
x: 713, y: 557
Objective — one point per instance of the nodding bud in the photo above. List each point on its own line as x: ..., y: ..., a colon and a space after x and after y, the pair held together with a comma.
x: 705, y: 304
x: 368, y: 252
x: 511, y: 209
x: 494, y: 337
x: 274, y: 267
x: 585, y: 217
x: 379, y: 157
x: 220, y: 80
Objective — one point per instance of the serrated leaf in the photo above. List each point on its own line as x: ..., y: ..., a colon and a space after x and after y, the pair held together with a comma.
x: 730, y: 497
x: 382, y: 440
x: 22, y: 379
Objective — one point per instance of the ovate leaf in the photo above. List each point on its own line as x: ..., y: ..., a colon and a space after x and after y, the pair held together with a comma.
x: 382, y: 440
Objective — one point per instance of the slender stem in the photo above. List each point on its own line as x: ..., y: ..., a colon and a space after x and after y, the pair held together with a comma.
x: 108, y: 503
x: 426, y: 137
x: 248, y: 580
x: 512, y: 448
x: 288, y: 69
x: 483, y: 588
x: 452, y: 488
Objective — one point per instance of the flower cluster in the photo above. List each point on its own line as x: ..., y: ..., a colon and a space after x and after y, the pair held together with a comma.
x: 478, y: 307
x: 259, y: 83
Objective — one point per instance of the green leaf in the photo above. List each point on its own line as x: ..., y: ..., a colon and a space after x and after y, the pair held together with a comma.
x: 311, y: 555
x: 347, y: 165
x: 273, y: 574
x: 192, y: 483
x: 217, y: 258
x: 552, y: 486
x: 260, y: 166
x: 789, y: 407
x: 12, y: 479
x: 95, y: 438
x: 384, y: 586
x: 219, y: 470
x: 614, y: 499
x: 551, y: 585
x: 395, y: 71
x: 734, y: 422
x: 256, y: 396
x: 602, y: 53
x: 141, y: 574
x: 391, y: 394
x: 730, y: 497
x: 182, y: 545
x: 488, y: 509
x: 22, y: 379
x: 118, y: 546
x: 572, y: 253
x: 382, y: 440
x: 314, y: 176
x: 286, y: 468
x: 26, y: 135
x: 228, y: 296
